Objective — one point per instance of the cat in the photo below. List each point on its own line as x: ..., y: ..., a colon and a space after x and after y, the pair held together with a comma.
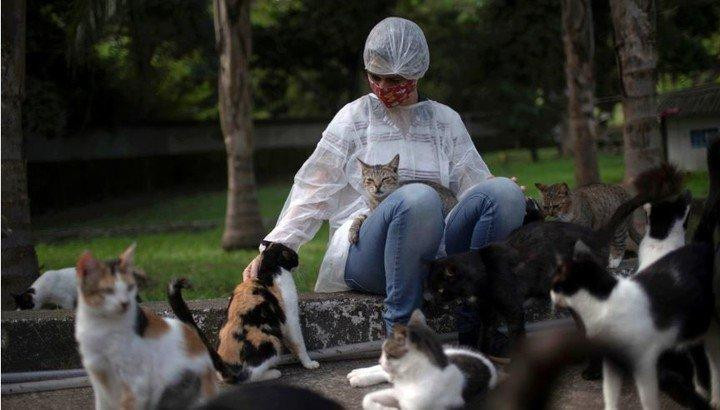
x: 262, y: 314
x: 592, y: 206
x: 424, y: 374
x: 133, y: 357
x: 54, y: 287
x: 382, y: 180
x: 499, y: 277
x: 270, y: 397
x: 665, y: 228
x: 668, y: 305
x: 59, y: 288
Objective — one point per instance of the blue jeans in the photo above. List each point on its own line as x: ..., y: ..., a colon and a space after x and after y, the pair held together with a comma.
x: 406, y: 229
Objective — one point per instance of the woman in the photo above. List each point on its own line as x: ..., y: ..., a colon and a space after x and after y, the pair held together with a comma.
x: 407, y: 227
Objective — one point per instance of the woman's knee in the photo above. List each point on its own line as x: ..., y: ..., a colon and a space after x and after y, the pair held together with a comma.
x: 419, y: 199
x: 501, y: 190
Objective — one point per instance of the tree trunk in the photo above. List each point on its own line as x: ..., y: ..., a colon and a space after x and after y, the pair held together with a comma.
x: 19, y: 261
x: 579, y: 47
x: 634, y: 22
x: 243, y: 226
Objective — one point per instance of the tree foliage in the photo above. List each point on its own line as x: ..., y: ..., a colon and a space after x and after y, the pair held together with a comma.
x: 155, y: 60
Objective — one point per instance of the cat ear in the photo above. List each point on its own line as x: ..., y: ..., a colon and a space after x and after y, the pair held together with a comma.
x: 417, y: 318
x: 564, y: 187
x: 394, y: 162
x: 87, y: 265
x: 127, y: 257
x: 362, y: 164
x: 541, y: 187
x: 581, y: 249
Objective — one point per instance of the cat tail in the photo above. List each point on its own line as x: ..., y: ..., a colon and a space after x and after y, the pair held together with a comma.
x: 652, y: 185
x: 709, y: 219
x: 180, y: 309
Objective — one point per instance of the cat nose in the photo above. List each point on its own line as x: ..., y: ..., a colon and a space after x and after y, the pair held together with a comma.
x: 124, y: 306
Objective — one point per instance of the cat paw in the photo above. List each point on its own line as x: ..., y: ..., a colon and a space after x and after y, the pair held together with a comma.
x: 353, y: 237
x: 271, y: 375
x: 361, y: 381
x: 310, y: 364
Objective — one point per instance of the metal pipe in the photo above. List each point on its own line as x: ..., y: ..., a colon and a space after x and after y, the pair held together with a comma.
x: 27, y: 382
x: 44, y: 385
x: 21, y: 377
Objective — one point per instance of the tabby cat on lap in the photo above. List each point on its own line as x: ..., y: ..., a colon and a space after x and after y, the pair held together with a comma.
x: 590, y: 206
x: 425, y: 374
x: 134, y: 358
x: 262, y: 314
x: 382, y: 179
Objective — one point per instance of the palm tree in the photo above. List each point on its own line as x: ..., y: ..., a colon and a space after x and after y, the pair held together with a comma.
x: 635, y: 33
x: 19, y: 260
x: 243, y: 226
x: 579, y: 47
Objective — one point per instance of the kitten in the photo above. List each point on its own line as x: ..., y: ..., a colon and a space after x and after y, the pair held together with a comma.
x: 59, y: 288
x: 498, y: 278
x: 262, y: 314
x: 591, y: 206
x: 382, y: 180
x: 424, y: 374
x: 133, y: 357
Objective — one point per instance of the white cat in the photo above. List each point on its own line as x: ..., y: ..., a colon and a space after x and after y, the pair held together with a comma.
x: 424, y: 374
x: 56, y: 287
x: 135, y: 359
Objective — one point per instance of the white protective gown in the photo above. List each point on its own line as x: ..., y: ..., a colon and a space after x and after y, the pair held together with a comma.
x: 433, y: 144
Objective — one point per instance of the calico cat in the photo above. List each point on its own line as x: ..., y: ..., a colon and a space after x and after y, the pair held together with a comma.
x: 592, y: 206
x: 424, y: 374
x: 381, y: 180
x: 59, y: 288
x: 133, y: 357
x: 498, y: 278
x: 261, y: 315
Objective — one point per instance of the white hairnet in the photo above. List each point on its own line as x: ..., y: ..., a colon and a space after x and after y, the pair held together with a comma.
x: 396, y: 46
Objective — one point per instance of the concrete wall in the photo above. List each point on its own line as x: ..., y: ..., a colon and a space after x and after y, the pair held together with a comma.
x: 680, y: 150
x: 195, y: 138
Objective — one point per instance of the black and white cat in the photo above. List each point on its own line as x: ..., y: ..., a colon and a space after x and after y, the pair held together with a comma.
x: 499, y: 277
x: 665, y: 228
x: 667, y: 305
x: 424, y: 374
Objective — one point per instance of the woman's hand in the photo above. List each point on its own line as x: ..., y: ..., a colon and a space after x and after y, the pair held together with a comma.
x: 251, y: 270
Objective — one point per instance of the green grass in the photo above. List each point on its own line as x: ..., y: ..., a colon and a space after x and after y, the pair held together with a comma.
x: 214, y: 273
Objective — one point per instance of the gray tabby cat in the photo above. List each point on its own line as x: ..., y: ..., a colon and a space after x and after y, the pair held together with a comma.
x: 590, y: 206
x: 382, y: 179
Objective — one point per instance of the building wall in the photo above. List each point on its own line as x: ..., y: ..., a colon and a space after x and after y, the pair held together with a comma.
x: 679, y: 146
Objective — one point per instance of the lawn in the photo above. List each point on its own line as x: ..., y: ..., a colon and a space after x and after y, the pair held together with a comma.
x: 197, y: 255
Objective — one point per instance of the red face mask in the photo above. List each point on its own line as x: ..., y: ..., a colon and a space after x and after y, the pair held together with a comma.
x: 394, y: 95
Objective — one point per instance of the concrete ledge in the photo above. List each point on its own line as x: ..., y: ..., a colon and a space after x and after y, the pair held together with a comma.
x: 44, y: 339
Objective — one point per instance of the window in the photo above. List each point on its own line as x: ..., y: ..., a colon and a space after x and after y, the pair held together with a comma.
x: 700, y: 138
